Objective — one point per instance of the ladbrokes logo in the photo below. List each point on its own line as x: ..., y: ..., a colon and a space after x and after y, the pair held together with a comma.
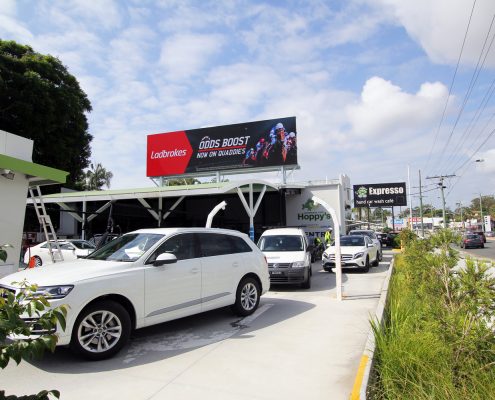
x: 168, y: 153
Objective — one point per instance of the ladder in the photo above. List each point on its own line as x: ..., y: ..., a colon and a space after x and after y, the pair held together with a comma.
x: 46, y: 223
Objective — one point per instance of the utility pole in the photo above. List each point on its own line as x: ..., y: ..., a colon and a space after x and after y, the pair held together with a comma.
x: 462, y: 219
x: 481, y: 212
x: 421, y: 206
x: 442, y: 177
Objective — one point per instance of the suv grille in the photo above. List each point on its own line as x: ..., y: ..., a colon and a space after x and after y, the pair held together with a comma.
x: 343, y: 257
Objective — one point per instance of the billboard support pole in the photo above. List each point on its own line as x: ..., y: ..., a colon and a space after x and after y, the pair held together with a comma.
x: 338, y: 261
x: 393, y: 220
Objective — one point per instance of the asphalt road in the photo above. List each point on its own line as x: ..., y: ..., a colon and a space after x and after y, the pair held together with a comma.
x: 487, y: 252
x: 300, y: 344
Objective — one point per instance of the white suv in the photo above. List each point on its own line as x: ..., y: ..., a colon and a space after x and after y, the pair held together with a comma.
x: 372, y: 235
x: 357, y: 251
x: 148, y: 277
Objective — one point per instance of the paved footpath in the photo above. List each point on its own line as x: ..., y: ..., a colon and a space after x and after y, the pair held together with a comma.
x: 300, y: 344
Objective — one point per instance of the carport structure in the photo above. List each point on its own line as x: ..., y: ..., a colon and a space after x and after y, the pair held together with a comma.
x: 186, y: 205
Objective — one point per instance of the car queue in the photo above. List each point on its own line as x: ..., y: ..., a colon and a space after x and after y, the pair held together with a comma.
x: 118, y: 288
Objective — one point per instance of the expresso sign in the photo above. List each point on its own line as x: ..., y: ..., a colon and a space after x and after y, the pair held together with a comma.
x: 250, y: 145
x: 380, y: 195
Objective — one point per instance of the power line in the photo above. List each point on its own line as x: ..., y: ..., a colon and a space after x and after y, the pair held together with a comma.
x: 451, y: 84
x: 472, y: 83
x: 481, y: 108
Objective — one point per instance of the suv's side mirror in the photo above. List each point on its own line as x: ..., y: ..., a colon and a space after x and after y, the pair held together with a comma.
x: 165, y: 258
x: 371, y: 245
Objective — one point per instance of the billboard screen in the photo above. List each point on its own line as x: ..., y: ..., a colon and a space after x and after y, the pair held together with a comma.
x: 250, y: 145
x: 380, y: 195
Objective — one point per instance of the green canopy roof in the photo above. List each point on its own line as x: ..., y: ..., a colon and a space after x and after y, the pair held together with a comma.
x: 37, y: 174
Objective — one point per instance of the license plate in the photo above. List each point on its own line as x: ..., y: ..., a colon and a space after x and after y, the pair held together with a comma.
x: 276, y: 273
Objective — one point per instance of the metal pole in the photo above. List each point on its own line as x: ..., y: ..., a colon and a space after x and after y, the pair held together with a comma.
x: 410, y: 193
x: 338, y: 261
x: 251, y: 213
x: 481, y: 212
x: 393, y: 220
x: 83, y: 236
x: 421, y: 207
x: 443, y: 204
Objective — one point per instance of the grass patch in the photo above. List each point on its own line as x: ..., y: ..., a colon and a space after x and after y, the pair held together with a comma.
x: 437, y: 340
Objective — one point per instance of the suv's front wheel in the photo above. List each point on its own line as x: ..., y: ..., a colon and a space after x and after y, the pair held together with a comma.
x: 247, y: 297
x: 101, y: 330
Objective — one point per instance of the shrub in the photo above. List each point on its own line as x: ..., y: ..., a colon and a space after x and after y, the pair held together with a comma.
x: 437, y: 340
x: 21, y: 314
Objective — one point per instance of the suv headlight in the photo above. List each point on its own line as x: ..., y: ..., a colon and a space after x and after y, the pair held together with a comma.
x: 358, y: 255
x: 298, y: 264
x: 53, y: 292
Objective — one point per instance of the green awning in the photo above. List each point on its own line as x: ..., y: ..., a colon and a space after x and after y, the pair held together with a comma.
x: 37, y: 174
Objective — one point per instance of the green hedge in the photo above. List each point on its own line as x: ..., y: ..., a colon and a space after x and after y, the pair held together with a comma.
x: 437, y: 340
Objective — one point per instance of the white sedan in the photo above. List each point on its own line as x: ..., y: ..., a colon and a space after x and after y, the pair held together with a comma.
x: 71, y: 249
x: 356, y: 252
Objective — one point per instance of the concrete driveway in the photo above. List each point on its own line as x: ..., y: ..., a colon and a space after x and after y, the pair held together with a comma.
x: 299, y: 344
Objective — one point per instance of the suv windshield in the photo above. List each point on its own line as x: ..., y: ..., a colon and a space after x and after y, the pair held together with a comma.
x: 281, y: 243
x: 126, y: 248
x: 370, y: 234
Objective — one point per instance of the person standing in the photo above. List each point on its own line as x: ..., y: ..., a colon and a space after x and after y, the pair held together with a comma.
x: 328, y: 237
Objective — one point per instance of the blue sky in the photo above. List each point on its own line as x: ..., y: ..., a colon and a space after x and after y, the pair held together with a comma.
x: 368, y: 80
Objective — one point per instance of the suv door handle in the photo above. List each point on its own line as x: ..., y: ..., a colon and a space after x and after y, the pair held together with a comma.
x: 194, y: 270
x: 235, y: 264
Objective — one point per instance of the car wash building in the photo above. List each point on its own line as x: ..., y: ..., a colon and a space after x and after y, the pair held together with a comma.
x: 252, y: 204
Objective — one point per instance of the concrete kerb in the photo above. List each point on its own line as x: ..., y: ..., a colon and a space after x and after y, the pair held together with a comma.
x: 367, y: 360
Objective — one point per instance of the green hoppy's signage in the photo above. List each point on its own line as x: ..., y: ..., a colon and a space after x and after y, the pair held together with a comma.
x: 309, y: 213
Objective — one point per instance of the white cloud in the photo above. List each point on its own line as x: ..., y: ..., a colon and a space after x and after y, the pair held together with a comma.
x: 11, y: 29
x: 385, y: 110
x: 184, y: 55
x: 102, y: 13
x: 439, y: 27
x: 8, y: 7
x: 488, y: 164
x: 128, y: 54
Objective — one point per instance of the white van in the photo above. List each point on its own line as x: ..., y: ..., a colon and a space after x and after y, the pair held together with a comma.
x: 289, y: 256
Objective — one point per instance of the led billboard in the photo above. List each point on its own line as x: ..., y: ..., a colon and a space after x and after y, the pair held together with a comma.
x: 380, y: 195
x: 251, y: 145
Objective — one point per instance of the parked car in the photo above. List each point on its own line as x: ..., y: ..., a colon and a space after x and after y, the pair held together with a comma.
x: 169, y: 273
x: 357, y: 251
x: 71, y: 249
x: 472, y: 240
x: 372, y: 235
x: 289, y: 256
x: 384, y: 238
x: 489, y: 234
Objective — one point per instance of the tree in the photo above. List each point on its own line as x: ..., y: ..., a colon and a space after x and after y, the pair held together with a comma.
x: 95, y: 178
x: 183, y: 181
x: 487, y: 203
x: 30, y: 302
x: 40, y: 100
